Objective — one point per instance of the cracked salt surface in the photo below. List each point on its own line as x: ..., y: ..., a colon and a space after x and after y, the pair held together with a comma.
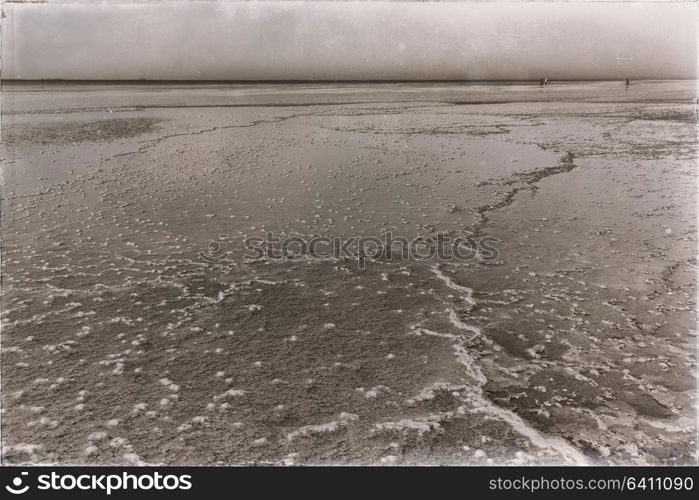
x: 121, y: 345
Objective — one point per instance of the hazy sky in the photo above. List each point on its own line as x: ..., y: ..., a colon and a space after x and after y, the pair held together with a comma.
x: 349, y: 40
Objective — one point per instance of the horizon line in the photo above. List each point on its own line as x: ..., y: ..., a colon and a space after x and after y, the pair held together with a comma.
x: 387, y: 81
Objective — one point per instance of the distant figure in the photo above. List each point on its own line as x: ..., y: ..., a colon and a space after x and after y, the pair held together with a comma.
x: 541, y: 82
x: 627, y: 82
x: 546, y: 81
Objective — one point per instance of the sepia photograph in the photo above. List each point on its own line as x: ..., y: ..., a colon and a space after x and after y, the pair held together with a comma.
x: 348, y: 233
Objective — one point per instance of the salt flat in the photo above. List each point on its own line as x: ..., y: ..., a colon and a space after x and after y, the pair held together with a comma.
x: 136, y: 331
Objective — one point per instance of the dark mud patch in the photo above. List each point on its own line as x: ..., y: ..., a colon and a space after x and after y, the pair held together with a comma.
x: 78, y: 131
x: 681, y: 115
x: 470, y: 130
x: 648, y: 406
